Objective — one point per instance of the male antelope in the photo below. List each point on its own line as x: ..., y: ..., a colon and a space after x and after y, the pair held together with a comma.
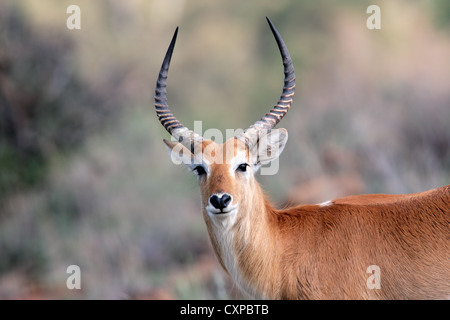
x: 318, y: 251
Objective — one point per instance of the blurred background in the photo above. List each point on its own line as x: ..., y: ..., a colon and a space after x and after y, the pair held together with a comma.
x: 85, y: 178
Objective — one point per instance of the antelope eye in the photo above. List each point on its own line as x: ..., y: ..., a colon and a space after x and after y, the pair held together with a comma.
x: 200, y: 170
x: 242, y: 167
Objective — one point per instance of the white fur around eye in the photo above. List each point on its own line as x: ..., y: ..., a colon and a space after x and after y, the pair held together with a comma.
x: 240, y: 158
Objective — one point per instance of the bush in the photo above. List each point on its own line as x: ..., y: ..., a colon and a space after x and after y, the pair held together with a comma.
x: 44, y: 106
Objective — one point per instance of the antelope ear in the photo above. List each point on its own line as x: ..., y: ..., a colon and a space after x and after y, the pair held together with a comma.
x: 179, y: 154
x: 270, y: 146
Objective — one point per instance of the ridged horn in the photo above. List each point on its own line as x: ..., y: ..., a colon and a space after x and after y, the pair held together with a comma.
x: 185, y: 136
x: 271, y: 119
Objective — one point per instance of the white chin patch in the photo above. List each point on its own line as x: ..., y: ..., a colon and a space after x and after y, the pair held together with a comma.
x: 223, y: 218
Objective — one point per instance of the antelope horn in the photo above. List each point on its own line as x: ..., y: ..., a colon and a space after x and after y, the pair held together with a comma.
x: 271, y: 119
x: 185, y: 136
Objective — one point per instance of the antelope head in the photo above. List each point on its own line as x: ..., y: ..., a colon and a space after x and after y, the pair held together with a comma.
x: 226, y: 171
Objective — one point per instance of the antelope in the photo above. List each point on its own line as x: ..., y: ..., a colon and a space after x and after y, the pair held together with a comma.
x: 314, y: 251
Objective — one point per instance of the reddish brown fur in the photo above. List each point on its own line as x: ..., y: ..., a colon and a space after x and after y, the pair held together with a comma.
x: 323, y: 251
x: 407, y: 236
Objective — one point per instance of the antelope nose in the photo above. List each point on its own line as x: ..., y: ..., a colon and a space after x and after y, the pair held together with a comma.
x: 220, y: 202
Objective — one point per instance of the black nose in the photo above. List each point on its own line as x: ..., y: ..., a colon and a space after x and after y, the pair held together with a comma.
x: 220, y: 203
